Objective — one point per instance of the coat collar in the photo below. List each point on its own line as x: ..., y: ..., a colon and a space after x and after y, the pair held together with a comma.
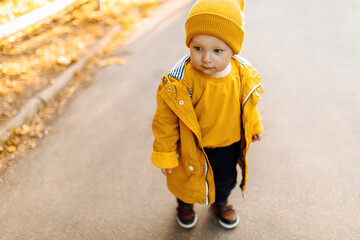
x: 179, y: 68
x: 177, y: 71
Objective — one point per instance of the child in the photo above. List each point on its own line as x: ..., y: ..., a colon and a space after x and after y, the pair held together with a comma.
x: 206, y: 113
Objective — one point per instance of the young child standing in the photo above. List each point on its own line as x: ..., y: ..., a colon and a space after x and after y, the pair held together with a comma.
x: 206, y: 113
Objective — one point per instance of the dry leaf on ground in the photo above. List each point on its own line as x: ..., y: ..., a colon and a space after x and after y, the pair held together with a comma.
x: 11, y: 148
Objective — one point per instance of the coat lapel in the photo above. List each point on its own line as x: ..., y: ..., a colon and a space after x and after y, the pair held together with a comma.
x: 176, y: 96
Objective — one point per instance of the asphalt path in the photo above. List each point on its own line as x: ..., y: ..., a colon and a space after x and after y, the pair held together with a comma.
x: 93, y: 179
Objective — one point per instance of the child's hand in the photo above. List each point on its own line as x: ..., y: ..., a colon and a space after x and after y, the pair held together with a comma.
x: 257, y: 137
x: 166, y: 171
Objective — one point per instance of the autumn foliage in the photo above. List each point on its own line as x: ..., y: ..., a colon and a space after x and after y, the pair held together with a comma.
x: 31, y: 59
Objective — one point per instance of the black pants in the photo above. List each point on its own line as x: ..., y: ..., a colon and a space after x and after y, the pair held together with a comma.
x: 223, y: 162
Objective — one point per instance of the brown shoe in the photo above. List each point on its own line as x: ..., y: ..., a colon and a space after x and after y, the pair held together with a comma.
x: 226, y: 215
x: 186, y: 216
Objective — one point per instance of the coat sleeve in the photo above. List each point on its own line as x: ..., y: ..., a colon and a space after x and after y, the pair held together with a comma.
x: 258, y: 127
x: 252, y: 89
x: 165, y: 127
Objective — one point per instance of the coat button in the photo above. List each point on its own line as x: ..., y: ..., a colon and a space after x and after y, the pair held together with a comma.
x: 181, y: 102
x: 177, y: 155
x: 259, y: 89
x: 191, y: 168
x: 204, y: 201
x: 169, y: 89
x: 257, y: 94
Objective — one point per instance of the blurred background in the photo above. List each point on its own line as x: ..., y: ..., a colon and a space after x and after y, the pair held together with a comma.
x: 39, y: 40
x: 91, y: 176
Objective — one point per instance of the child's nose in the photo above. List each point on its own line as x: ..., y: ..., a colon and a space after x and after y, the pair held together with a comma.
x: 207, y: 57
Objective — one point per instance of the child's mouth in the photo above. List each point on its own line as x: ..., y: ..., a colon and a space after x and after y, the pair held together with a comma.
x: 207, y: 68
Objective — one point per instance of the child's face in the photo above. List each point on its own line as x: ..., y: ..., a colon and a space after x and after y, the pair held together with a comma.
x: 209, y: 54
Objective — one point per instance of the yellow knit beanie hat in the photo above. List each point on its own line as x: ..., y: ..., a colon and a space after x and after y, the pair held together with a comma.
x: 223, y: 19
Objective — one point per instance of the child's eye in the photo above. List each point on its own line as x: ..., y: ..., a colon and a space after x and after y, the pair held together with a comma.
x: 218, y: 51
x: 198, y: 48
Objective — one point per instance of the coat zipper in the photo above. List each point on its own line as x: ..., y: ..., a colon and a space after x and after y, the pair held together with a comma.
x: 206, y: 183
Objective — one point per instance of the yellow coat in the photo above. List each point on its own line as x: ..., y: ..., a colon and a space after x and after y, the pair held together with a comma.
x: 178, y: 142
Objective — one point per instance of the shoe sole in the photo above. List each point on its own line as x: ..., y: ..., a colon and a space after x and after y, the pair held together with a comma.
x: 229, y: 226
x: 191, y: 225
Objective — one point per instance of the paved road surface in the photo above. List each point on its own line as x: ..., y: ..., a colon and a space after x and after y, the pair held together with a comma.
x: 92, y: 179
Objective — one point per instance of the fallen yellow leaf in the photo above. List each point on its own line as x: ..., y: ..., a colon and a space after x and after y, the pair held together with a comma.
x: 33, y: 143
x: 63, y: 60
x: 3, y: 89
x: 15, y: 140
x: 16, y: 86
x: 11, y: 148
x: 25, y: 129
